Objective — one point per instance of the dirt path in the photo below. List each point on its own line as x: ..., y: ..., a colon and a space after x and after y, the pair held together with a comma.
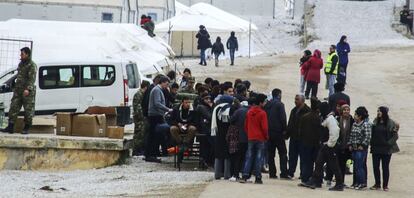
x: 376, y: 77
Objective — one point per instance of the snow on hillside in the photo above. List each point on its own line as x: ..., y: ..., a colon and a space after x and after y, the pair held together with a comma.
x: 366, y: 23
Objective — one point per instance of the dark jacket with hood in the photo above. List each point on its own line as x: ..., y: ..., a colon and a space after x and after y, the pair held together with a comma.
x: 217, y: 48
x: 203, y: 39
x: 204, y: 113
x: 276, y: 116
x: 384, y: 138
x: 294, y: 118
x: 313, y: 67
x: 232, y: 43
x: 343, y: 48
x: 183, y: 116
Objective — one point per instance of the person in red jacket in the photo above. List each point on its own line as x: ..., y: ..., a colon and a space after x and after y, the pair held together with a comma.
x: 257, y: 133
x: 313, y: 73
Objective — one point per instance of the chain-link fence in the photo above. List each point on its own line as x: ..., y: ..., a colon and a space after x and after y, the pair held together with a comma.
x: 10, y: 52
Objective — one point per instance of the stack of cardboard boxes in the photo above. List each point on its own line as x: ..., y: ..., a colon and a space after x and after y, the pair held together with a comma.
x: 96, y: 122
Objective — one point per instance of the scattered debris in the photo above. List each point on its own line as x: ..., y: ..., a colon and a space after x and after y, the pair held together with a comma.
x: 46, y: 188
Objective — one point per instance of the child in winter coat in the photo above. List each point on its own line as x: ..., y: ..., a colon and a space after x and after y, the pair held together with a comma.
x: 217, y: 49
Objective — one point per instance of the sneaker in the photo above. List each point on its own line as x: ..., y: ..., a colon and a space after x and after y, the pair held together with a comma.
x: 272, y: 177
x: 337, y: 188
x: 152, y: 159
x: 386, y: 189
x: 258, y: 181
x: 361, y: 187
x: 309, y: 184
x: 243, y: 180
x: 375, y: 187
x: 250, y: 180
x: 285, y: 177
x: 307, y: 97
x: 233, y: 179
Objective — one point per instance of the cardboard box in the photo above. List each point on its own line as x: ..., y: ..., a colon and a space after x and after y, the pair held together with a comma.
x: 115, y: 132
x: 110, y: 113
x: 89, y: 125
x: 64, y: 123
x: 40, y: 125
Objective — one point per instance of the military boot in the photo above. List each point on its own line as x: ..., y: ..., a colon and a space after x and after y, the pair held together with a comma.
x: 26, y: 129
x: 9, y: 128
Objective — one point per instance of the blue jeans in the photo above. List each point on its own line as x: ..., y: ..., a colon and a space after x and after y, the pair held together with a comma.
x: 232, y: 51
x: 331, y: 78
x: 308, y: 155
x: 203, y: 56
x: 254, y: 153
x: 359, y: 158
x: 294, y: 149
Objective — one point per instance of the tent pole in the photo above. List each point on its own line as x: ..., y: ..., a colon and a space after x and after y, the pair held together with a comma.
x: 250, y: 36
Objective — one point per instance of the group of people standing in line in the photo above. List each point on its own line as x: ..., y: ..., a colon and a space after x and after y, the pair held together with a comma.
x: 204, y: 43
x: 335, y: 68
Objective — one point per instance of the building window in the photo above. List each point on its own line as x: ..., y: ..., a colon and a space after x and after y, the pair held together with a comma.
x: 107, y: 17
x: 153, y: 16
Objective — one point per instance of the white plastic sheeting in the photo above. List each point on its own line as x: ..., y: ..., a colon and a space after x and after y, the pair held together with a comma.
x: 97, y: 41
x: 180, y: 30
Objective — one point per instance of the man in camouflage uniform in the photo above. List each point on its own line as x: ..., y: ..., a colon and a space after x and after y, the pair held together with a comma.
x: 24, y: 92
x: 139, y: 120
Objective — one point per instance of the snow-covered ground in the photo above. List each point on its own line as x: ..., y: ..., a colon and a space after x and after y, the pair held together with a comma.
x: 134, y: 179
x: 366, y: 23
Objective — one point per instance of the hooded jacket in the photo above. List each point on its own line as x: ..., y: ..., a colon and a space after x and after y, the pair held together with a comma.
x: 256, y: 124
x: 232, y: 43
x: 313, y: 67
x: 343, y: 48
x: 203, y: 39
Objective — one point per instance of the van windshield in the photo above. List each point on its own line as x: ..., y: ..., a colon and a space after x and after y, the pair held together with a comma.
x: 134, y: 79
x: 5, y: 77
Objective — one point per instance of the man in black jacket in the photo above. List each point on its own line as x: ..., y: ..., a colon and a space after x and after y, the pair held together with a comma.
x: 183, y: 120
x: 276, y: 116
x: 296, y: 114
x: 337, y: 96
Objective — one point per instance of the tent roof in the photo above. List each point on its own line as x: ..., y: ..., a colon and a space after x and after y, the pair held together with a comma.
x: 179, y: 7
x: 215, y: 12
x: 88, y: 41
x: 214, y: 19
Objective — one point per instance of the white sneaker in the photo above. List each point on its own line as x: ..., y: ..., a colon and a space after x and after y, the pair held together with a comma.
x: 233, y: 179
x: 251, y: 180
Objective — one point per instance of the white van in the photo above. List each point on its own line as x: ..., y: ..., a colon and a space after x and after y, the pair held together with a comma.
x: 75, y: 86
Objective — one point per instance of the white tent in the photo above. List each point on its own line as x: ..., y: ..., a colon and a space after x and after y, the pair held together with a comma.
x: 100, y: 40
x: 180, y: 30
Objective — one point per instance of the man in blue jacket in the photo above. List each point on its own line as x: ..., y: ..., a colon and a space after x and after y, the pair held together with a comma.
x: 232, y: 45
x: 342, y: 48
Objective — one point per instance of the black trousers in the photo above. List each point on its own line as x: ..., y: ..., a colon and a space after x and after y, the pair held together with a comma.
x: 327, y: 155
x: 308, y: 156
x: 206, y: 149
x: 384, y: 160
x: 311, y: 86
x: 151, y: 149
x: 341, y: 77
x: 343, y: 156
x: 237, y: 160
x: 279, y: 144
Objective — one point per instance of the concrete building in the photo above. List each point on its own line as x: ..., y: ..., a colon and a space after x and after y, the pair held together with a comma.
x: 240, y: 7
x: 111, y: 11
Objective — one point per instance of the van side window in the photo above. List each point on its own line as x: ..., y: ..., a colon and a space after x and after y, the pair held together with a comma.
x: 94, y: 76
x: 58, y: 77
x: 133, y: 76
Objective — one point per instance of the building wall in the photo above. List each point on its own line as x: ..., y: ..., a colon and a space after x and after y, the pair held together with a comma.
x: 122, y: 11
x: 240, y: 7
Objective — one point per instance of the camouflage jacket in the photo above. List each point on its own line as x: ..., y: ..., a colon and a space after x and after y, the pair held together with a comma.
x: 188, y: 90
x: 138, y: 97
x: 26, y: 76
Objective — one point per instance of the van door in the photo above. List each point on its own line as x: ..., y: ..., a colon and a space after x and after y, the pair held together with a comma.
x: 101, y: 85
x: 6, y: 93
x: 134, y: 80
x: 58, y: 89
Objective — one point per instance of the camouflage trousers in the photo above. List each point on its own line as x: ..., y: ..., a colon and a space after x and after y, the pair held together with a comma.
x: 139, y: 132
x: 27, y: 102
